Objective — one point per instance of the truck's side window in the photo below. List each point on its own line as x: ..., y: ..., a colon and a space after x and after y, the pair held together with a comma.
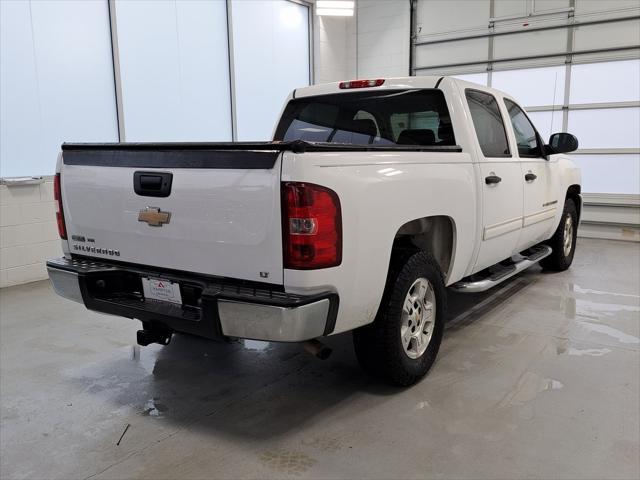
x: 402, y: 117
x: 488, y: 123
x: 525, y: 132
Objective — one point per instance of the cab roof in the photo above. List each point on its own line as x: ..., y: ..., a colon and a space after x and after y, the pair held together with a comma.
x: 393, y: 83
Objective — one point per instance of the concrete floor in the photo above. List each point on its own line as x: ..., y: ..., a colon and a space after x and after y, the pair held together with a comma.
x: 537, y: 379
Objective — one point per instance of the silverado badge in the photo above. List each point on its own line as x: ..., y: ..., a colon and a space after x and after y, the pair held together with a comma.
x: 154, y: 216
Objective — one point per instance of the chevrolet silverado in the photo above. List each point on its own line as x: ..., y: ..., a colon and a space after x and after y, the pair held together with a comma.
x: 371, y: 199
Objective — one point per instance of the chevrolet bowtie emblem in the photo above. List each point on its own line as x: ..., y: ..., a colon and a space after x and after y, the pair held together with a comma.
x: 154, y: 216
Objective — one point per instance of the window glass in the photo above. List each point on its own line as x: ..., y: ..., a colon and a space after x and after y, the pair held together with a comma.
x: 606, y: 127
x: 167, y: 94
x: 488, y: 124
x: 403, y: 117
x: 546, y: 122
x: 526, y: 135
x: 609, y: 173
x: 270, y: 59
x: 532, y: 86
x: 56, y: 82
x: 605, y: 82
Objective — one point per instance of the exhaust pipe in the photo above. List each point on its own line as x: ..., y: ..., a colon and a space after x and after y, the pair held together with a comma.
x: 318, y: 349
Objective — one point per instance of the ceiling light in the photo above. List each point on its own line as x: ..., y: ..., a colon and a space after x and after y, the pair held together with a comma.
x: 338, y: 8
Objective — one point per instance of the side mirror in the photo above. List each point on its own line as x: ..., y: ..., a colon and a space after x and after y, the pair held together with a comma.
x: 562, y: 143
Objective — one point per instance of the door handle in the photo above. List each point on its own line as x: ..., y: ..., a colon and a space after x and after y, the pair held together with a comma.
x: 492, y: 180
x: 530, y: 177
x: 152, y: 184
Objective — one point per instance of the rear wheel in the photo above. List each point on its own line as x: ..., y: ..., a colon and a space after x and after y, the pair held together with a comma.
x: 403, y: 341
x: 563, y: 241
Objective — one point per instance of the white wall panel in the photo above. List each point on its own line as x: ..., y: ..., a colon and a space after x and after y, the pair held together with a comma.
x: 56, y: 81
x: 609, y: 173
x: 21, y: 144
x: 271, y: 58
x: 334, y: 62
x: 511, y: 8
x: 530, y: 43
x: 607, y: 35
x: 435, y: 16
x: 383, y: 33
x: 546, y: 6
x: 605, y: 82
x: 532, y: 86
x: 451, y: 53
x: 175, y: 70
x: 606, y: 128
x: 593, y: 6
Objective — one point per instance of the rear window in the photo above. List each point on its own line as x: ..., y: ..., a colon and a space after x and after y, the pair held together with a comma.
x: 388, y: 117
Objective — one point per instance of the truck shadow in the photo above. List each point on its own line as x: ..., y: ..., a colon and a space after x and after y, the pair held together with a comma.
x: 257, y: 390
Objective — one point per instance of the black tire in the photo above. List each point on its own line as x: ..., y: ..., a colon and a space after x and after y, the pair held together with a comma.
x: 378, y: 346
x: 559, y: 261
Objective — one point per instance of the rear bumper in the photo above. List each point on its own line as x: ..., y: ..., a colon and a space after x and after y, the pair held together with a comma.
x: 212, y: 307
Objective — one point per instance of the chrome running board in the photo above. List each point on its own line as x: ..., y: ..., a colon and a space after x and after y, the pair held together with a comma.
x: 503, y: 272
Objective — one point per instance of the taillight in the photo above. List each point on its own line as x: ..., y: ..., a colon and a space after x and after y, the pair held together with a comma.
x: 311, y: 225
x: 361, y: 83
x: 57, y: 196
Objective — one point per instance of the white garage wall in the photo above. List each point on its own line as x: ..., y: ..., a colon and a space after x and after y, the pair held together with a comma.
x: 169, y: 65
x: 56, y: 81
x: 383, y: 32
x: 28, y: 233
x: 174, y: 72
x: 374, y: 42
x: 334, y: 48
x: 56, y: 84
x: 271, y: 58
x: 169, y: 61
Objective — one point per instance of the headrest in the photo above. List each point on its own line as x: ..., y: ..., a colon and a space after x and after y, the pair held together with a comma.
x: 445, y: 132
x: 417, y: 136
x: 365, y: 126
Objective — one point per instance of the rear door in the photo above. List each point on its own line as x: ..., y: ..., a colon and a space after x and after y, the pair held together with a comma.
x: 501, y: 178
x: 220, y: 215
x: 541, y: 180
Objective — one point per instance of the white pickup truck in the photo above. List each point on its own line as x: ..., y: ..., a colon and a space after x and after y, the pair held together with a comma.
x: 372, y: 198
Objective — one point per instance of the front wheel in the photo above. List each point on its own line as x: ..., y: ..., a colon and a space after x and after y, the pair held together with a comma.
x: 403, y: 341
x: 563, y: 241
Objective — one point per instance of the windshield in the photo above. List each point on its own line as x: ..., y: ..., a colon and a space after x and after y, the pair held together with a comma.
x: 386, y: 117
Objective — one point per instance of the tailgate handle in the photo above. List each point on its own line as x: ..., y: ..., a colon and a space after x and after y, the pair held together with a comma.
x: 152, y: 184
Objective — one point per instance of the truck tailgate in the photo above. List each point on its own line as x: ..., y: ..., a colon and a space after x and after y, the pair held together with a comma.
x: 221, y: 216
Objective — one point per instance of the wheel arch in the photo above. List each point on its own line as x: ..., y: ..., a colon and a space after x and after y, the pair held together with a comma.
x: 433, y: 234
x: 574, y: 193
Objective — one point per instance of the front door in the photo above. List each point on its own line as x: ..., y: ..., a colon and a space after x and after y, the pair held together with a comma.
x: 501, y: 177
x: 540, y: 180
